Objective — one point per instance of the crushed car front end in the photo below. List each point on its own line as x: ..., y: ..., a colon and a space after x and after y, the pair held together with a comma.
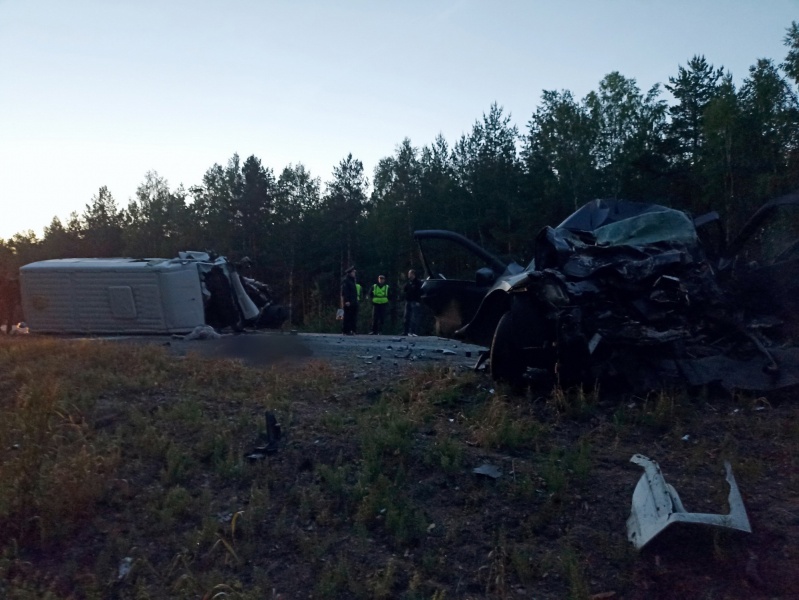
x: 624, y: 291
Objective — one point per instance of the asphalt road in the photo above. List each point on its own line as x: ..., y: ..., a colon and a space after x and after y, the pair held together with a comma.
x: 271, y: 347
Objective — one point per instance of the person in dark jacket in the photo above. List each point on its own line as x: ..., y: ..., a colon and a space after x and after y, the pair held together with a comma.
x: 349, y: 302
x: 9, y: 300
x: 412, y: 290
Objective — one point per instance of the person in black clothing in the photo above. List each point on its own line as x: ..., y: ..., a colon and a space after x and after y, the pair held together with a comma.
x: 349, y: 302
x: 9, y: 301
x: 412, y: 291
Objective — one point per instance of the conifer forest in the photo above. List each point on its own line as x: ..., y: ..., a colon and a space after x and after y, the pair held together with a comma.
x: 698, y: 142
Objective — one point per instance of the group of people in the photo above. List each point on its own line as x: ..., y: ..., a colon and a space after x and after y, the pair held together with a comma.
x: 378, y: 294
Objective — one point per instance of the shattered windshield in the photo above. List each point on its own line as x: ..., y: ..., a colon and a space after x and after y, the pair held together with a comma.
x: 618, y: 222
x: 648, y: 228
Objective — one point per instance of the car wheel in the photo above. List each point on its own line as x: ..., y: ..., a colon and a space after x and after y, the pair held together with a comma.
x: 506, y: 360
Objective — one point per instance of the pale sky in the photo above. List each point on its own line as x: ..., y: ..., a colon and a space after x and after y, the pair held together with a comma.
x: 98, y: 92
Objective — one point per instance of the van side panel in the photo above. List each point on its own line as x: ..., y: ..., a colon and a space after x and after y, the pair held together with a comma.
x: 182, y: 298
x: 47, y: 303
x: 111, y: 296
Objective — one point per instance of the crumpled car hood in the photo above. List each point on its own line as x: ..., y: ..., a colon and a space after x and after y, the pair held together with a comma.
x: 639, y: 297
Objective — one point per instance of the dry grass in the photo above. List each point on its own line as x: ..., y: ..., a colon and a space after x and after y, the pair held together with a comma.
x: 127, y: 457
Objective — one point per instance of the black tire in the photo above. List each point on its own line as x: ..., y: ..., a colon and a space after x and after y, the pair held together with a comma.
x: 506, y: 360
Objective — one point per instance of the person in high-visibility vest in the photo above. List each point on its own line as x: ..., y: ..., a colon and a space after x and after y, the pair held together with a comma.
x: 379, y: 296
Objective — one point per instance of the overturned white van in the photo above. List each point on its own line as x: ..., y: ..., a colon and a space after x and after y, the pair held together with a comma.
x: 127, y: 295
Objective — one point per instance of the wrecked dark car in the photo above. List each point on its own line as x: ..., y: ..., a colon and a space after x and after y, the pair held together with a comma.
x: 148, y: 295
x: 631, y: 293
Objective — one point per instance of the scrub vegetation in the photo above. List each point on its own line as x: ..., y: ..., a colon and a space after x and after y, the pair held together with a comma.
x: 124, y: 474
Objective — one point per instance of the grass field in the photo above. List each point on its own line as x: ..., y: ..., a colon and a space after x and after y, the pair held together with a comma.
x: 124, y: 474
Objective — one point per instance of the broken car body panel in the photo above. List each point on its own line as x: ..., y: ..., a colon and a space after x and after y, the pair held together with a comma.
x: 657, y: 505
x: 624, y: 289
x: 125, y: 295
x: 765, y: 256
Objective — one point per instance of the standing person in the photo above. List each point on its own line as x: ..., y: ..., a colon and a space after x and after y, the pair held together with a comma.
x: 412, y: 290
x: 379, y: 295
x: 349, y: 302
x: 9, y: 300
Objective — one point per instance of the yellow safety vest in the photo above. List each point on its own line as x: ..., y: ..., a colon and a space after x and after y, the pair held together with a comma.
x: 379, y: 294
x: 358, y: 290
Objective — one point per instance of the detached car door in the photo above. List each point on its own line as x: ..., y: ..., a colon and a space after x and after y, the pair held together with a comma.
x: 762, y: 263
x: 459, y: 274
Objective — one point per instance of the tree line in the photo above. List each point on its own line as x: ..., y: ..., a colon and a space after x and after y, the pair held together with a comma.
x: 715, y: 146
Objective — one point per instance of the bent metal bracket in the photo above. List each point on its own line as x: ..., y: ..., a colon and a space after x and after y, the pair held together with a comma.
x: 656, y: 505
